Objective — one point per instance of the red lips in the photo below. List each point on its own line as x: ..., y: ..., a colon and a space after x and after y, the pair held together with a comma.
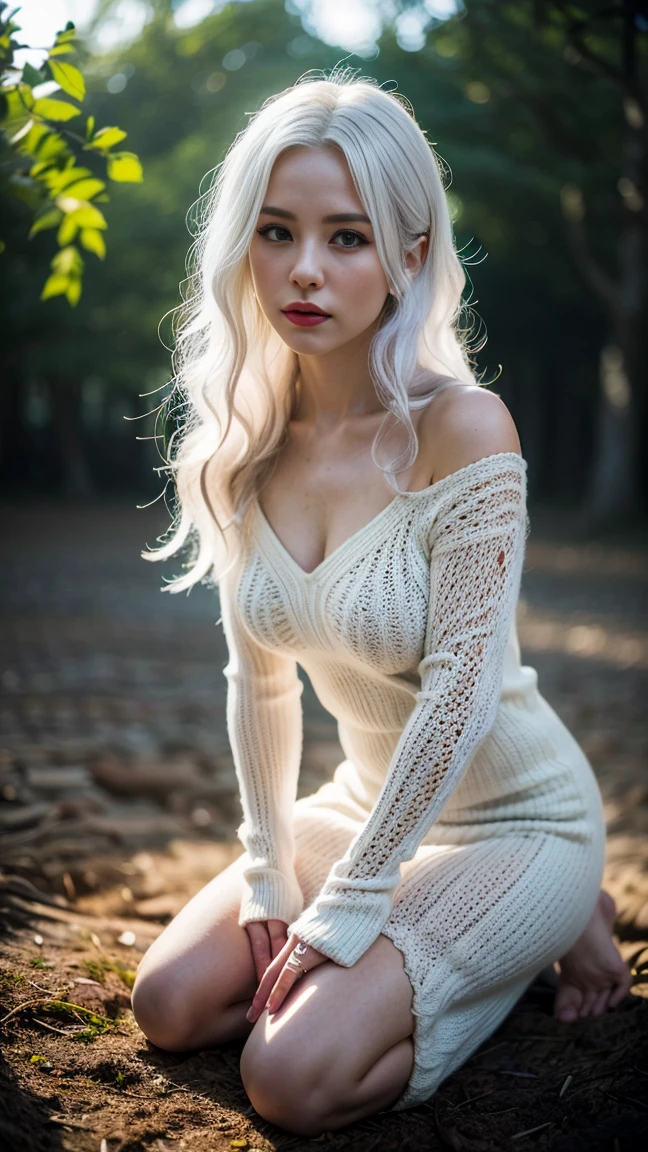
x: 305, y: 315
x: 304, y: 306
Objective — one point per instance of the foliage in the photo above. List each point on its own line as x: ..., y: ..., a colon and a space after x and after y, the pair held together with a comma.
x: 58, y: 191
x: 513, y: 112
x: 96, y: 970
x: 95, y: 1024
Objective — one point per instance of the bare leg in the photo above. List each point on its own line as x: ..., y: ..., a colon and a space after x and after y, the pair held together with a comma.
x: 197, y: 980
x: 338, y: 1049
x: 593, y: 974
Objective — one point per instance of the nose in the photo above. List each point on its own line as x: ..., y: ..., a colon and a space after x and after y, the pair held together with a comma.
x: 307, y: 270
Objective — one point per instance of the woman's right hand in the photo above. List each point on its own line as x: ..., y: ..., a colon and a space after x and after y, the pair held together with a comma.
x: 267, y: 938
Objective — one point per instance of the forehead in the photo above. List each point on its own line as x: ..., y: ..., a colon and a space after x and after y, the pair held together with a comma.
x: 312, y: 177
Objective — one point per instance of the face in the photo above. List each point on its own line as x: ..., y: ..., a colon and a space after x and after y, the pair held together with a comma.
x: 313, y: 259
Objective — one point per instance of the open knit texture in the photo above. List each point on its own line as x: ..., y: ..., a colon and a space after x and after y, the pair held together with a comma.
x: 465, y: 823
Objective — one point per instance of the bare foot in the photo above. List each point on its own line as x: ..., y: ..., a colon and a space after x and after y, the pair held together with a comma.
x: 593, y: 974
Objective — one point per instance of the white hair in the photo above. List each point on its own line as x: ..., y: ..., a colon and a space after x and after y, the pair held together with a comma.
x: 235, y: 381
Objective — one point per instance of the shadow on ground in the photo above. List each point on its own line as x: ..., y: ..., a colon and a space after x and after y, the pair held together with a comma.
x: 118, y: 801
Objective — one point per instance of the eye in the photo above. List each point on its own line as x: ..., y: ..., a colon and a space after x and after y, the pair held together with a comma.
x: 268, y: 228
x: 349, y: 238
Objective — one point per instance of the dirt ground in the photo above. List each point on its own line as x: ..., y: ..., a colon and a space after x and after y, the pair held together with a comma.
x: 118, y: 801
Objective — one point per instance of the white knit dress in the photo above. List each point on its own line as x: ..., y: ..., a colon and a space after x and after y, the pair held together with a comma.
x: 465, y: 823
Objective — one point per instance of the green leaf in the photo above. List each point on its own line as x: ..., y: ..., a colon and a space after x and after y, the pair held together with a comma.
x: 28, y: 142
x: 86, y: 215
x: 22, y: 132
x: 61, y: 50
x: 106, y: 137
x: 55, y: 109
x: 69, y: 176
x: 25, y: 96
x: 93, y: 240
x: 55, y: 285
x: 2, y: 246
x: 90, y: 123
x: 49, y: 219
x: 68, y: 78
x: 17, y: 107
x: 86, y: 189
x: 67, y: 232
x: 73, y: 292
x: 32, y: 76
x: 68, y: 261
x: 52, y: 146
x: 125, y: 167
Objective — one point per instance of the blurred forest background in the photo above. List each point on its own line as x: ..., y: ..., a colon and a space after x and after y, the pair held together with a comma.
x: 537, y: 108
x: 118, y: 792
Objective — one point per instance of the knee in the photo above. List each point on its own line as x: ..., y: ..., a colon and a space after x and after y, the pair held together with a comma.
x: 287, y: 1088
x: 161, y: 1009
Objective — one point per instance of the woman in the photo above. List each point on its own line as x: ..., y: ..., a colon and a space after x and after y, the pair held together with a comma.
x: 371, y: 935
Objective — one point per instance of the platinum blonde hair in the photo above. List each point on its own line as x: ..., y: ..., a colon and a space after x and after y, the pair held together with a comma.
x: 235, y: 381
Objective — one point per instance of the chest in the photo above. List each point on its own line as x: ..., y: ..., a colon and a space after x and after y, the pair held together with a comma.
x: 366, y: 603
x: 323, y: 491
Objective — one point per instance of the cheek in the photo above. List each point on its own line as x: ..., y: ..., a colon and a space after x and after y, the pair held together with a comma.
x: 362, y: 280
x: 260, y: 270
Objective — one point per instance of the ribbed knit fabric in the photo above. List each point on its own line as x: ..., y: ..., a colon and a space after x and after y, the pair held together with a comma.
x: 464, y: 823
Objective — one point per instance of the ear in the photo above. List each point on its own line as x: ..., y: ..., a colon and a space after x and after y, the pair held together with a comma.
x: 416, y: 255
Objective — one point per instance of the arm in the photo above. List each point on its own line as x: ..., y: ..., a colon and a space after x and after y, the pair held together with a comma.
x: 477, y: 548
x: 264, y: 725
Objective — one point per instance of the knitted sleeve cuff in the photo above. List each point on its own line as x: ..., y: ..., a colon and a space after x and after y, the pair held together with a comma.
x: 343, y: 932
x: 270, y: 895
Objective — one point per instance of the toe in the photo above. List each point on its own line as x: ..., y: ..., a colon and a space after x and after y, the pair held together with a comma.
x: 600, y: 1003
x: 622, y: 988
x: 568, y: 1002
x: 588, y: 1001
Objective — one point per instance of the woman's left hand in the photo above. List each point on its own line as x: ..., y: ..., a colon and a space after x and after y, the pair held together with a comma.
x: 279, y: 977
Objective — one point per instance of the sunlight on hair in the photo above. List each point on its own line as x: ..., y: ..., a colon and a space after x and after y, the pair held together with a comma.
x: 234, y: 384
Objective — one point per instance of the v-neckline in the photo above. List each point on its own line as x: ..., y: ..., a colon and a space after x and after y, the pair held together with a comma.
x: 302, y: 573
x: 437, y: 486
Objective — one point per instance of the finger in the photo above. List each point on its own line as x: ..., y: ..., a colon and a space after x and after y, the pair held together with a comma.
x: 601, y: 1002
x: 261, y: 947
x: 567, y: 1003
x: 589, y: 999
x: 263, y: 991
x: 278, y: 936
x: 287, y: 979
x: 620, y: 992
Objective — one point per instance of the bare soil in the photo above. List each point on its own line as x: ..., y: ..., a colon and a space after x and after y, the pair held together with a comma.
x: 118, y: 801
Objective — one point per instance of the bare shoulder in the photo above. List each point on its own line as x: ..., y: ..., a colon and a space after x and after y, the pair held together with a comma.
x: 462, y: 425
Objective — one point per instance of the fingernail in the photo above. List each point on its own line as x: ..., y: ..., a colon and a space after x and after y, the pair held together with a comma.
x: 249, y: 1014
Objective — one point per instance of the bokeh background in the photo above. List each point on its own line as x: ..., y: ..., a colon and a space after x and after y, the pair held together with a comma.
x: 118, y: 797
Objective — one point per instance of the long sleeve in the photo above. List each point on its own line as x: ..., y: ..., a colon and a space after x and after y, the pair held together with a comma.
x: 265, y: 730
x: 477, y: 540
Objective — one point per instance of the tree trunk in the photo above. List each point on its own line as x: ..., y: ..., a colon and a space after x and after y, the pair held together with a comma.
x: 75, y: 473
x: 613, y: 489
x: 15, y: 456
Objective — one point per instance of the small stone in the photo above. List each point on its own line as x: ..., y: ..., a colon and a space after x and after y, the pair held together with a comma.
x: 127, y: 938
x: 201, y: 817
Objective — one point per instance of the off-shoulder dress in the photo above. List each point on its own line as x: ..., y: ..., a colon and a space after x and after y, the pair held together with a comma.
x: 464, y: 822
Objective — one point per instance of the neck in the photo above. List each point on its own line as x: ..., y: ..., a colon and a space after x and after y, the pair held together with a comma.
x: 336, y: 386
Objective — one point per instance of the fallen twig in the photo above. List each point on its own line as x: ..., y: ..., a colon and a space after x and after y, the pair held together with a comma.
x: 528, y: 1131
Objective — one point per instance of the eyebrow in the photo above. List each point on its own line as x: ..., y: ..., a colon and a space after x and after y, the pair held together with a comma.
x: 337, y: 218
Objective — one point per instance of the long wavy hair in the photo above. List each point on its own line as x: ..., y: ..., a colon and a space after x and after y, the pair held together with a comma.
x: 235, y: 383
